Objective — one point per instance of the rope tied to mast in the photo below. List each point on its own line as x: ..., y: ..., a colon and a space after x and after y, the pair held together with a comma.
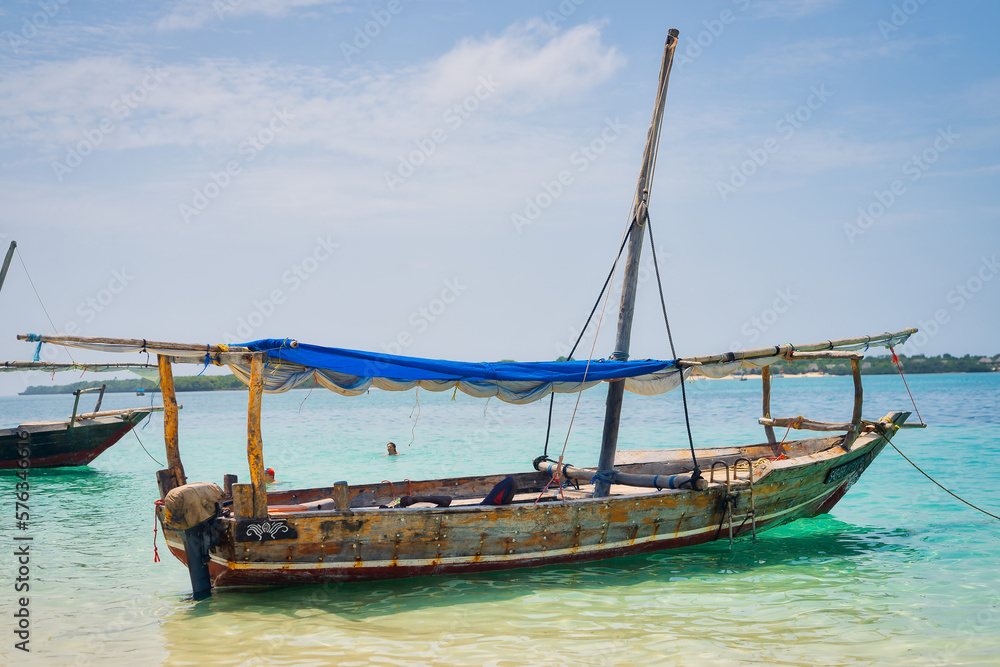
x: 696, y: 474
x: 569, y: 357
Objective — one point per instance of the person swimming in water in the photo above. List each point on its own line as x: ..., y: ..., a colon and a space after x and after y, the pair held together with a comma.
x: 391, y: 449
x: 269, y: 476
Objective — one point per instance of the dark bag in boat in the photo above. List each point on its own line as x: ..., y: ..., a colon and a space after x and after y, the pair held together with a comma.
x: 440, y: 501
x: 502, y: 493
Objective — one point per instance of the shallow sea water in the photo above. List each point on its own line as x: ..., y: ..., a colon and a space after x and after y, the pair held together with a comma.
x: 898, y: 573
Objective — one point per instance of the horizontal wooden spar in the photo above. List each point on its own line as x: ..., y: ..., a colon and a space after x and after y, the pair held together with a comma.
x: 805, y: 424
x: 115, y: 413
x: 788, y: 348
x: 46, y: 367
x: 151, y: 345
x: 828, y: 354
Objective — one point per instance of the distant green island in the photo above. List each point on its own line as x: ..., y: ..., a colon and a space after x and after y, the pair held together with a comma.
x: 882, y: 365
x: 874, y: 365
x: 182, y: 383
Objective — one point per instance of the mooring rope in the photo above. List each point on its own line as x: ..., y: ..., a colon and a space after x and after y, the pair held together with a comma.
x: 955, y: 495
x: 146, y: 450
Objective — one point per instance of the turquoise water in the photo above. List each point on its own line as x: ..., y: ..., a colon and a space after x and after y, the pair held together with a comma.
x: 899, y: 573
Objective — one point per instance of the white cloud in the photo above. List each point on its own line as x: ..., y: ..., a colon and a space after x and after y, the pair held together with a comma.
x: 214, y: 103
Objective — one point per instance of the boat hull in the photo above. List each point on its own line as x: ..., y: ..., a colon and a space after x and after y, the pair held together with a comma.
x: 374, y: 544
x: 55, y: 445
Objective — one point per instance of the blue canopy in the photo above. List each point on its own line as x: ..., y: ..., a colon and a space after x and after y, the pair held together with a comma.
x: 353, y: 372
x: 374, y: 364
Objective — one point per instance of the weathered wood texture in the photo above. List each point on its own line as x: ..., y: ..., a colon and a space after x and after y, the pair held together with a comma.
x: 131, y: 342
x: 227, y: 484
x: 54, y: 445
x: 243, y: 501
x: 6, y: 262
x: 255, y: 444
x: 341, y: 496
x: 124, y: 412
x: 829, y: 354
x: 765, y: 376
x: 788, y: 348
x: 859, y: 398
x: 806, y: 424
x: 170, y: 420
x: 370, y: 544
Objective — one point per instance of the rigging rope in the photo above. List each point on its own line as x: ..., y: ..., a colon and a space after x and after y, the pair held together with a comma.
x: 416, y: 406
x: 895, y: 360
x: 673, y: 352
x: 569, y: 357
x: 32, y: 283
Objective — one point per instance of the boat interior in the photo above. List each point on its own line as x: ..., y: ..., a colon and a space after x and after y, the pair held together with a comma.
x: 538, y: 487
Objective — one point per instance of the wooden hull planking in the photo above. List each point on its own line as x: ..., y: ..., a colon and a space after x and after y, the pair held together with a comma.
x: 55, y: 445
x: 366, y: 544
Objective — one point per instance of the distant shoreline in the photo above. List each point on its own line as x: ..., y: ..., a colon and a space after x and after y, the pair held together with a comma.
x: 875, y: 365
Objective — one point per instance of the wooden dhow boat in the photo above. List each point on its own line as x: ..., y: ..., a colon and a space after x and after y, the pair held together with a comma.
x: 630, y: 502
x: 67, y: 442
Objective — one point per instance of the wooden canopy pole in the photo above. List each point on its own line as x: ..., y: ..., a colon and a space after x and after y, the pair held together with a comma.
x: 616, y: 389
x: 765, y: 376
x: 170, y: 420
x: 255, y: 444
x: 859, y: 399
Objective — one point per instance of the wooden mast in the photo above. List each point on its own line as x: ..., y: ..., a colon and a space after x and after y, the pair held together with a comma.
x: 6, y: 262
x: 616, y: 389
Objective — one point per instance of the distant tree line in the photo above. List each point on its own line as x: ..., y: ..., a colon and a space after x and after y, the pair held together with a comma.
x: 183, y: 383
x: 882, y: 365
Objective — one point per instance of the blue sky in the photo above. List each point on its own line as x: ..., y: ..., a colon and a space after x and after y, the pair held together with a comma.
x: 451, y: 179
